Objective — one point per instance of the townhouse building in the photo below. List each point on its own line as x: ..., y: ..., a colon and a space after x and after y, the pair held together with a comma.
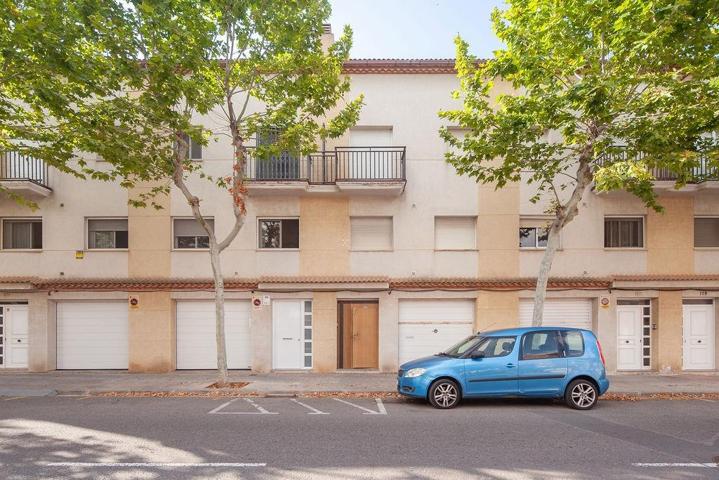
x: 364, y: 255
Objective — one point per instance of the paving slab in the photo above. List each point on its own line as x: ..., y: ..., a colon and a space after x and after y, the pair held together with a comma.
x: 19, y: 383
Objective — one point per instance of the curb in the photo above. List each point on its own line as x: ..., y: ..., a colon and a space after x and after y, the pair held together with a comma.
x: 236, y: 393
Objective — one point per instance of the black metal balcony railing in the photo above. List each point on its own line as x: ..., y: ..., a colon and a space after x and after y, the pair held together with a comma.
x: 15, y: 166
x: 703, y: 172
x: 343, y: 164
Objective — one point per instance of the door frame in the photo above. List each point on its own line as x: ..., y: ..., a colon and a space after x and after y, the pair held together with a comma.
x: 304, y: 331
x: 645, y: 321
x: 6, y: 334
x: 711, y: 303
x: 340, y: 323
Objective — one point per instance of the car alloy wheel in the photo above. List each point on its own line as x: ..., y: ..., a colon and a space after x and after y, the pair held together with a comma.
x: 444, y: 394
x: 581, y: 395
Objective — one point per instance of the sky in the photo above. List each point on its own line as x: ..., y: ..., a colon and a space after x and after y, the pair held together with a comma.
x: 415, y: 28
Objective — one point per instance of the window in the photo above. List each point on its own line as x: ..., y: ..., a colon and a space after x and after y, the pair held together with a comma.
x: 193, y: 150
x: 540, y: 345
x: 106, y: 233
x: 307, y: 330
x: 573, y: 343
x: 623, y: 232
x: 371, y: 233
x: 279, y: 233
x: 189, y: 234
x: 25, y: 234
x: 495, y: 347
x: 533, y: 237
x: 706, y: 232
x: 455, y: 233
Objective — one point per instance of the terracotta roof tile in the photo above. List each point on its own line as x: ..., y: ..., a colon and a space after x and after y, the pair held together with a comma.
x: 321, y: 279
x: 399, y: 65
x: 496, y: 284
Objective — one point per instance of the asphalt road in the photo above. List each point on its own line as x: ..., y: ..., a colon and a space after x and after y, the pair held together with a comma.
x: 269, y: 438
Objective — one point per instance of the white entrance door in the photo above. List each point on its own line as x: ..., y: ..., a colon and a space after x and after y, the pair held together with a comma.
x: 629, y: 337
x: 559, y: 312
x: 13, y: 336
x: 698, y: 337
x: 92, y: 335
x: 430, y: 326
x: 287, y: 334
x: 196, y: 340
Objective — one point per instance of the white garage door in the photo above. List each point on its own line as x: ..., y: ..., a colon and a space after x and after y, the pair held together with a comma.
x: 196, y: 344
x: 430, y: 326
x: 92, y: 335
x: 559, y: 312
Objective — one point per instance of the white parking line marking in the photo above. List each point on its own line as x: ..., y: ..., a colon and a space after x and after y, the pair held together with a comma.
x: 672, y: 465
x: 380, y: 407
x: 152, y: 464
x: 12, y: 398
x: 313, y: 411
x: 260, y: 410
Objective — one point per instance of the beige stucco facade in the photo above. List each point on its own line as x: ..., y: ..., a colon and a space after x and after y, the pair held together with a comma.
x: 327, y: 269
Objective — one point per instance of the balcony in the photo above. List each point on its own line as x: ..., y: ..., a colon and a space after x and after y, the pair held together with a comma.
x: 703, y: 175
x: 24, y: 175
x: 352, y: 170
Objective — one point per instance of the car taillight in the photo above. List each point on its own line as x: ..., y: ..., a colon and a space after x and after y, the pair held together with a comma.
x: 601, y: 355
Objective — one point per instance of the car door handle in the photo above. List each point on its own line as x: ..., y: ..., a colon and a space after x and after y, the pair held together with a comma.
x: 511, y: 365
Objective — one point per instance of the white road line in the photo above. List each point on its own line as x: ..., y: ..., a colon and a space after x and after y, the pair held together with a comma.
x: 313, y: 411
x: 380, y: 407
x: 672, y: 465
x: 12, y: 398
x: 260, y: 410
x: 216, y: 410
x: 151, y: 464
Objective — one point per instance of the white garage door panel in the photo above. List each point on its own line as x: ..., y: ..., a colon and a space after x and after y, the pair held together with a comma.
x: 196, y: 343
x: 430, y: 326
x: 92, y: 335
x: 447, y: 311
x: 576, y: 313
x: 421, y: 340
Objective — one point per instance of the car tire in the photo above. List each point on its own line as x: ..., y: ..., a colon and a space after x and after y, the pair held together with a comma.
x: 581, y: 394
x: 444, y: 394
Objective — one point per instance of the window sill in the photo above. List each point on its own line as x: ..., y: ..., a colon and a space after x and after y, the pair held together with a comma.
x: 87, y: 250
x: 536, y: 249
x: 190, y: 249
x: 625, y: 249
x: 22, y: 250
x: 365, y: 251
x: 277, y: 250
x: 707, y: 249
x: 456, y: 250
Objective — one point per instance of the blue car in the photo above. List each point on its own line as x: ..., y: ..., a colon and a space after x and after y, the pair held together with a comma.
x: 538, y: 362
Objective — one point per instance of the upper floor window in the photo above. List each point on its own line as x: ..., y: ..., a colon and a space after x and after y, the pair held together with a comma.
x: 533, y: 233
x: 455, y: 233
x: 706, y: 232
x: 190, y: 234
x: 22, y: 234
x: 193, y: 150
x: 623, y: 232
x: 371, y: 233
x: 106, y: 233
x: 279, y: 233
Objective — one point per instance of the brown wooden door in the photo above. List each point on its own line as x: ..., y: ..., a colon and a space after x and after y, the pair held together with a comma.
x: 360, y: 335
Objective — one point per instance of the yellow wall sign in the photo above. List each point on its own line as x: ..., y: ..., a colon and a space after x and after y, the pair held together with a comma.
x: 79, y: 254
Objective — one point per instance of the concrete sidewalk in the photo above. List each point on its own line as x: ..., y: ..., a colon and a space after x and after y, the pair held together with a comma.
x: 18, y: 383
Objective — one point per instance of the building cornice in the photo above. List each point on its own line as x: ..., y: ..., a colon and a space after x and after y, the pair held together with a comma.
x: 378, y: 66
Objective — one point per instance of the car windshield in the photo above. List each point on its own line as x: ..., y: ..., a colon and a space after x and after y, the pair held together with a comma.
x: 463, y: 346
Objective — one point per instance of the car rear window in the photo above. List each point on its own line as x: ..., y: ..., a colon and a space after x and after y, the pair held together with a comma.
x: 573, y: 343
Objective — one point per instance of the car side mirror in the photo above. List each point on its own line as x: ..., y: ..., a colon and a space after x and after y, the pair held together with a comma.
x: 477, y: 355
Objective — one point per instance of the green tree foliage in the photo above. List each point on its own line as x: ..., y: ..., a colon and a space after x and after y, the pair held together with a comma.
x: 222, y: 59
x: 604, y: 92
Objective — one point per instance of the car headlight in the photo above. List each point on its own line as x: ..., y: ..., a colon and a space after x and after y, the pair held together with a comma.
x: 415, y: 372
